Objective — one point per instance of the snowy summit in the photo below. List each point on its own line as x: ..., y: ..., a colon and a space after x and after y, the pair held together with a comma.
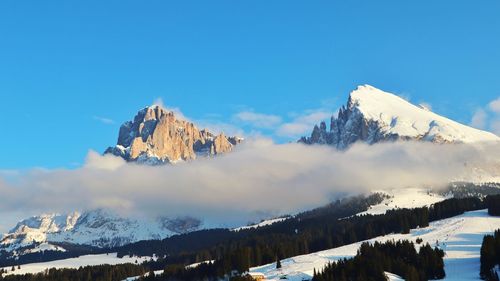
x: 372, y: 115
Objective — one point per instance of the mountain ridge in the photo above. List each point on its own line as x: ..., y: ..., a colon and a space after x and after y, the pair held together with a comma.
x: 98, y: 228
x: 156, y: 136
x: 372, y: 115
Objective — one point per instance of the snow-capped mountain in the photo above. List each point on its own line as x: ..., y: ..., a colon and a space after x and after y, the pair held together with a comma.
x: 97, y: 228
x: 372, y: 116
x: 156, y: 136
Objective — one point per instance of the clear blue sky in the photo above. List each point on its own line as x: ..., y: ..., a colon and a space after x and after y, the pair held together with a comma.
x: 66, y: 64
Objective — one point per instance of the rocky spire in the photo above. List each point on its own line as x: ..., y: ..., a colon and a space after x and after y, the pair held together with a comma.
x: 156, y: 136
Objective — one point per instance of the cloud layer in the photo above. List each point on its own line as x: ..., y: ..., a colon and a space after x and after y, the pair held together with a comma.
x: 258, y: 178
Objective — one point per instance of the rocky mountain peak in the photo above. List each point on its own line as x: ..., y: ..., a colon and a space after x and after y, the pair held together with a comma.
x: 157, y: 136
x: 372, y: 115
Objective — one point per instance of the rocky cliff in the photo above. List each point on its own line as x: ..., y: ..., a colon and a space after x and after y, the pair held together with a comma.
x: 372, y: 116
x: 156, y: 136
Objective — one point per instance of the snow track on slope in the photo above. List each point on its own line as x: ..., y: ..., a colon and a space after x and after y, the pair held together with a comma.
x: 460, y: 237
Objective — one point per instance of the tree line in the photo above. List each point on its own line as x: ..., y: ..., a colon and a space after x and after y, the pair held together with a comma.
x: 490, y: 248
x: 400, y: 258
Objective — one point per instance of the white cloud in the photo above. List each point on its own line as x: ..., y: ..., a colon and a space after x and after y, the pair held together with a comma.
x: 104, y: 120
x: 405, y: 96
x: 217, y: 127
x: 294, y: 129
x: 159, y: 102
x: 495, y: 126
x: 95, y: 160
x: 177, y: 111
x: 479, y: 119
x: 302, y: 124
x: 488, y: 117
x: 258, y: 120
x: 212, y: 125
x: 495, y: 105
x: 257, y: 177
x: 426, y: 106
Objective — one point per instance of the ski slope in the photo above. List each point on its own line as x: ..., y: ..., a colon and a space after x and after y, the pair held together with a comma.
x: 460, y: 237
x: 86, y: 260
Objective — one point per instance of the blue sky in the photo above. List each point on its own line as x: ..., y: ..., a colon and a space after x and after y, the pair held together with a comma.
x: 70, y: 72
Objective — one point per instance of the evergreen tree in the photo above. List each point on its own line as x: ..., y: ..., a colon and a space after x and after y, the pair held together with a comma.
x: 278, y: 263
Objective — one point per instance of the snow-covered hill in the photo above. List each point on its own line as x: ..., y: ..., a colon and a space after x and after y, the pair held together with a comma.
x: 87, y: 260
x: 404, y: 198
x: 372, y: 115
x: 460, y: 237
x: 98, y: 228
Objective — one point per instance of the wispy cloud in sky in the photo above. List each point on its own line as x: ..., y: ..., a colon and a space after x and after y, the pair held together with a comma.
x: 479, y: 119
x: 303, y: 124
x: 251, y: 123
x: 258, y: 120
x: 488, y: 117
x: 495, y: 105
x: 104, y: 120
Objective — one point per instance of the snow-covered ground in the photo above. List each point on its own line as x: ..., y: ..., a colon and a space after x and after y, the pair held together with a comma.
x: 133, y: 278
x: 404, y: 198
x: 44, y: 247
x: 111, y: 259
x: 397, y: 116
x: 262, y: 223
x: 460, y: 237
x: 194, y: 265
x: 393, y: 277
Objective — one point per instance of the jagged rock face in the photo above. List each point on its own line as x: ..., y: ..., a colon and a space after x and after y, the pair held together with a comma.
x: 372, y: 116
x: 156, y: 136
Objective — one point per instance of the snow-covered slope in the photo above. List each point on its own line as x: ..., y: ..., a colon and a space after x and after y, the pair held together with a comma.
x: 372, y: 115
x: 87, y: 260
x: 460, y: 237
x: 261, y: 224
x: 404, y: 198
x: 98, y: 228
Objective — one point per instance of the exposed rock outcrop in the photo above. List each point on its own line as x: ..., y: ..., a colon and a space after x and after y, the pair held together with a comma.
x: 156, y: 136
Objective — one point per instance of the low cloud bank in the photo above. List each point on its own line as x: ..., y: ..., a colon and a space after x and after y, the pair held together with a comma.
x: 260, y: 177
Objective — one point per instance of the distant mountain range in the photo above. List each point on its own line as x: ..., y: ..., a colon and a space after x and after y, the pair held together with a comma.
x: 99, y: 228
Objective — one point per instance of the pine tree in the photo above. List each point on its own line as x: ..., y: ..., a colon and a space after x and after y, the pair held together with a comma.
x: 278, y: 262
x: 412, y: 274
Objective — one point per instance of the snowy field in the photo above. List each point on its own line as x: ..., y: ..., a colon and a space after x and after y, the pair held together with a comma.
x: 76, y: 263
x: 404, y: 198
x: 460, y: 237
